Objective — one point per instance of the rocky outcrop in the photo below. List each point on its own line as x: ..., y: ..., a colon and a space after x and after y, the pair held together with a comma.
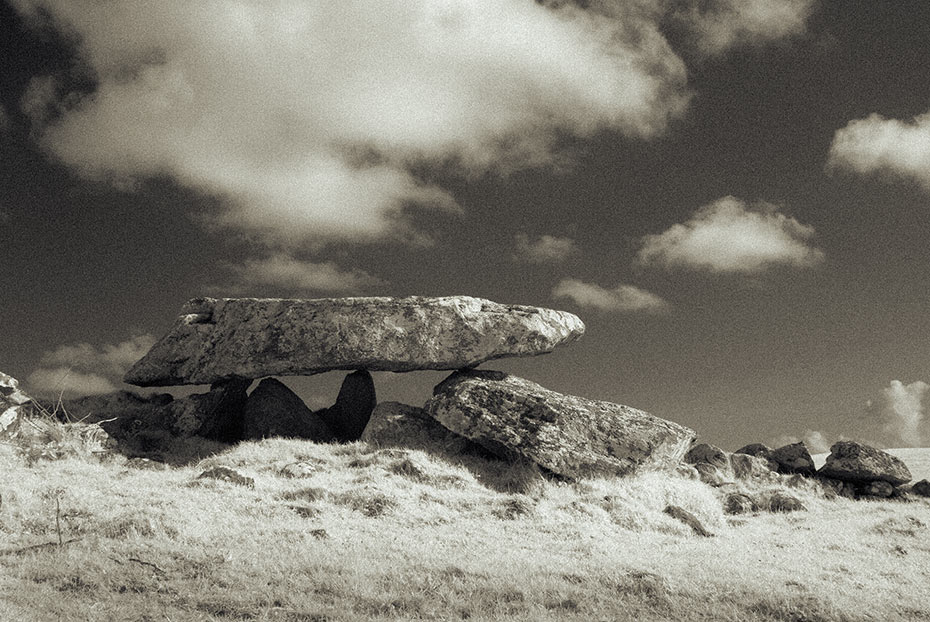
x: 272, y: 409
x: 397, y: 425
x: 862, y: 464
x: 13, y: 403
x: 221, y: 339
x: 568, y: 435
x: 348, y: 417
x: 793, y: 458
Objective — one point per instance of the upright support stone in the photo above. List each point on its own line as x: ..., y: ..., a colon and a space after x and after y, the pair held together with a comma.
x: 352, y: 410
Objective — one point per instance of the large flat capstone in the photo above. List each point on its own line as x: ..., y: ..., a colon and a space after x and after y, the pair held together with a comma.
x: 222, y: 339
x: 569, y: 435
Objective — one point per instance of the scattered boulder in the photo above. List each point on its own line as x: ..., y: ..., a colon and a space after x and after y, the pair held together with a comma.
x: 782, y: 502
x: 747, y: 467
x: 702, y: 453
x: 877, y: 488
x: 688, y: 519
x: 217, y: 414
x: 793, y: 458
x: 272, y: 409
x: 220, y: 339
x: 226, y: 474
x: 739, y: 503
x: 862, y: 464
x: 397, y: 425
x: 349, y: 416
x: 921, y: 488
x: 571, y: 436
x: 13, y: 403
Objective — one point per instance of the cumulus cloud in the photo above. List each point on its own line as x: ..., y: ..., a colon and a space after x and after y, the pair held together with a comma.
x: 294, y: 275
x: 904, y: 412
x: 719, y: 25
x: 545, y: 248
x: 624, y: 298
x: 876, y: 145
x: 83, y: 369
x: 307, y: 116
x: 731, y: 236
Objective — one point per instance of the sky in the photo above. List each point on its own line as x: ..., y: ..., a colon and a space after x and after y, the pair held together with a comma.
x: 734, y: 195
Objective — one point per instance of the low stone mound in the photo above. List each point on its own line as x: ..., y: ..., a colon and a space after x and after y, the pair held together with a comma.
x: 568, y: 435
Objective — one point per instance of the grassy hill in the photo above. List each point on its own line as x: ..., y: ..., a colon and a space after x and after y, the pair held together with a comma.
x: 354, y: 532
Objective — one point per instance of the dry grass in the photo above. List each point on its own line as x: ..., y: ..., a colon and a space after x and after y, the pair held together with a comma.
x: 351, y: 532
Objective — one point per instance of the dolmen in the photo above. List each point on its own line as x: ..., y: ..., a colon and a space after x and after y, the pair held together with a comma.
x: 231, y: 342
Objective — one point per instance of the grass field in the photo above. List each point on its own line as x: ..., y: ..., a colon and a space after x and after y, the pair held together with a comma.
x: 354, y: 532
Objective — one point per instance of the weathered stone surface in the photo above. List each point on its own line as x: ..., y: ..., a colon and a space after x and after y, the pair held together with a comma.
x: 755, y: 449
x: 569, y: 435
x: 748, y: 467
x: 272, y: 409
x: 877, y: 489
x: 859, y: 463
x: 708, y: 454
x: 398, y: 425
x: 12, y: 406
x: 921, y: 488
x: 221, y: 339
x: 688, y: 519
x: 793, y: 458
x: 713, y: 475
x: 348, y: 417
x: 217, y: 414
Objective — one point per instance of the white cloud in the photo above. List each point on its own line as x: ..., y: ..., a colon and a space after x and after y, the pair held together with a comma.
x: 290, y: 274
x: 722, y: 24
x: 83, y: 369
x: 879, y: 145
x: 729, y: 236
x: 306, y: 116
x: 621, y: 298
x: 904, y: 412
x: 545, y: 248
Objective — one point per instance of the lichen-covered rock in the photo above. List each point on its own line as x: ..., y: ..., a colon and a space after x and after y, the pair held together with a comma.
x: 13, y: 403
x: 571, y: 436
x: 272, y: 409
x: 217, y: 414
x: 398, y: 425
x: 348, y: 417
x: 709, y: 454
x: 755, y: 449
x: 793, y: 458
x: 220, y: 339
x: 855, y: 462
x: 713, y: 475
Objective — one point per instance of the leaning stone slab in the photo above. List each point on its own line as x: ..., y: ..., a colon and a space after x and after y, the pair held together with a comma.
x: 854, y: 462
x: 221, y: 339
x: 570, y: 436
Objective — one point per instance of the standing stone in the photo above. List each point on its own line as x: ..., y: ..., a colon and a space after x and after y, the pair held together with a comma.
x: 221, y: 339
x: 216, y: 415
x: 793, y: 458
x: 570, y: 436
x: 356, y: 399
x: 854, y: 462
x: 12, y: 405
x: 272, y: 409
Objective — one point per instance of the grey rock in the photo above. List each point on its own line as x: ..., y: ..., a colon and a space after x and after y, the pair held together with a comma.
x: 921, y: 488
x: 709, y: 454
x: 793, y: 458
x: 877, y: 489
x: 688, y: 519
x: 14, y: 405
x: 755, y: 449
x: 352, y: 410
x: 220, y: 339
x: 217, y: 414
x: 855, y: 462
x: 398, y: 425
x: 571, y: 436
x: 747, y: 467
x: 739, y: 503
x: 782, y: 502
x: 272, y: 409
